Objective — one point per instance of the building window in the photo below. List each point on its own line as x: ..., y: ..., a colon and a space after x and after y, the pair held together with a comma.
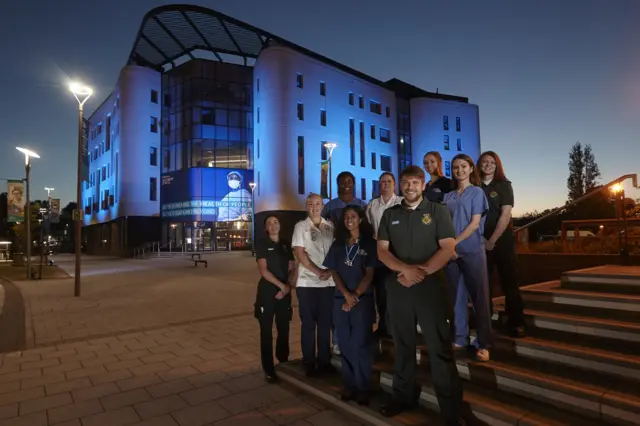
x: 385, y: 135
x: 323, y: 117
x: 258, y: 85
x: 388, y: 111
x: 352, y: 141
x: 361, y: 102
x: 300, y: 164
x: 323, y: 151
x: 458, y: 124
x: 154, y: 124
x: 373, y: 160
x: 445, y: 122
x: 446, y: 143
x: 154, y: 96
x: 447, y: 168
x: 459, y: 144
x: 362, y: 150
x: 373, y: 131
x: 166, y: 156
x: 258, y: 148
x: 323, y: 88
x: 351, y: 98
x: 104, y: 173
x: 259, y: 185
x: 153, y: 160
x: 258, y: 114
x: 375, y: 188
x: 153, y: 189
x: 375, y: 107
x: 385, y: 163
x: 300, y: 111
x: 363, y: 188
x: 299, y: 80
x: 167, y: 101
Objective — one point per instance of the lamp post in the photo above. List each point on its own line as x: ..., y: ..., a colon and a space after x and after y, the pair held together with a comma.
x: 48, y: 220
x: 330, y: 146
x: 27, y: 165
x: 253, y: 185
x: 82, y: 93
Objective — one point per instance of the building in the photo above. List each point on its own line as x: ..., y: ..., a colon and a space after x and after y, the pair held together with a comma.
x: 230, y: 105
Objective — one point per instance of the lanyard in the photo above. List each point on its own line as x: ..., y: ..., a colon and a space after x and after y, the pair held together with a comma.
x: 347, y: 250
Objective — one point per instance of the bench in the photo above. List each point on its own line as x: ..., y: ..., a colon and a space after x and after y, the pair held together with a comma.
x: 195, y: 256
x: 196, y: 261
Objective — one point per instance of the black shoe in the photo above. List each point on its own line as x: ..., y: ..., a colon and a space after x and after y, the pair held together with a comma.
x: 393, y: 408
x: 347, y: 395
x: 271, y: 377
x: 363, y: 398
x: 517, y: 332
x: 310, y: 370
x: 327, y: 370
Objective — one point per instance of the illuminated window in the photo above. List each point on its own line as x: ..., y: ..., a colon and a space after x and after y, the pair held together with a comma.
x: 445, y: 122
x: 446, y: 143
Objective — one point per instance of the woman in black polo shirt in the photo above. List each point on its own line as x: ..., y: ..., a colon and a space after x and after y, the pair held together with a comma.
x: 439, y: 184
x: 500, y: 241
x: 277, y: 268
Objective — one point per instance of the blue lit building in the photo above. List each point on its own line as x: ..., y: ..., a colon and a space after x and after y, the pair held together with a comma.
x: 224, y: 104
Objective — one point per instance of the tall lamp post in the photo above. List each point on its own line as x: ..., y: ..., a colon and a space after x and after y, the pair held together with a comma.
x: 82, y: 93
x: 48, y: 220
x: 618, y: 191
x: 330, y: 146
x: 27, y: 165
x: 253, y: 185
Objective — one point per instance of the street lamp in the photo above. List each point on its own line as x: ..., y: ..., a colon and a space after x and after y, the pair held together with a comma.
x: 27, y: 165
x: 330, y: 146
x: 618, y: 191
x: 253, y: 185
x: 82, y: 93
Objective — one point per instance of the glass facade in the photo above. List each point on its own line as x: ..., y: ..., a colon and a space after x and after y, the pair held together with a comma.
x: 404, y: 134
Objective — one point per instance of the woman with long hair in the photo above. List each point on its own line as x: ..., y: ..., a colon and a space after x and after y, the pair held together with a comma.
x: 438, y: 184
x: 278, y: 270
x: 468, y: 206
x: 500, y: 239
x: 351, y: 260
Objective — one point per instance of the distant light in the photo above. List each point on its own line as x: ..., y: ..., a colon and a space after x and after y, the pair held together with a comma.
x: 80, y: 89
x: 616, y: 188
x: 27, y: 154
x: 253, y: 185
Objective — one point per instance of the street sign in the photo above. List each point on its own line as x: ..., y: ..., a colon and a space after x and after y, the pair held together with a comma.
x: 77, y: 214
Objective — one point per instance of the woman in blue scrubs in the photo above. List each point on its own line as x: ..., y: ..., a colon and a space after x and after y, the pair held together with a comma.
x: 468, y: 206
x: 351, y: 260
x: 438, y: 184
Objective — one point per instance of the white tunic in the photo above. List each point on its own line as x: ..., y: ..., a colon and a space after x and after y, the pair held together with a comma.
x: 316, y: 241
x: 376, y: 208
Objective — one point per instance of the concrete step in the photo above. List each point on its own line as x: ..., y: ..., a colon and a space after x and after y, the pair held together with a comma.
x: 604, y: 279
x: 552, y: 297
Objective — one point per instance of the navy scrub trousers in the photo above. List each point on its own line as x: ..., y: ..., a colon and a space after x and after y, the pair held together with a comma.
x: 316, y: 309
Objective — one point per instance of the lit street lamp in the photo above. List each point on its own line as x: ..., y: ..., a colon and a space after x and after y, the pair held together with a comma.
x: 82, y: 93
x: 253, y: 185
x: 618, y: 192
x: 27, y: 165
x: 330, y: 146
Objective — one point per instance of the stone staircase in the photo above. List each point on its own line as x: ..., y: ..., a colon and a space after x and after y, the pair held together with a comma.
x: 579, y: 364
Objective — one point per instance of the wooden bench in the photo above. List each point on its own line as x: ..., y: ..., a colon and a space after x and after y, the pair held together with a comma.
x: 196, y: 261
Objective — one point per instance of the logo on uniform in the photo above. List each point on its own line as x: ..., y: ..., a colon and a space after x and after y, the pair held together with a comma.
x: 436, y: 190
x: 426, y: 218
x: 493, y: 194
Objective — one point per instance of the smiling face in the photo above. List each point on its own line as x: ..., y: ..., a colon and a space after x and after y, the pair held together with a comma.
x: 462, y: 170
x: 272, y: 226
x: 430, y: 163
x: 412, y: 187
x: 345, y: 186
x: 387, y: 185
x: 314, y: 206
x: 351, y: 220
x: 487, y: 166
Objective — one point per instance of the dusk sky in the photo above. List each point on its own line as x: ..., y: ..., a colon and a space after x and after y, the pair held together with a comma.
x: 545, y: 73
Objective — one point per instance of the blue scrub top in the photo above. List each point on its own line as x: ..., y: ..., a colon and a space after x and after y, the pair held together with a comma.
x: 462, y: 207
x: 366, y: 257
x: 333, y: 209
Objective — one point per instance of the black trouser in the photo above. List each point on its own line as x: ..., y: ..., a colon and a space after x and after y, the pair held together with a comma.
x: 315, y: 305
x: 267, y: 307
x: 380, y: 289
x: 503, y: 256
x: 428, y: 302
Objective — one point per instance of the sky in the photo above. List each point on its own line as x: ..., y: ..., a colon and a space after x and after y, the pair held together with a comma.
x: 545, y: 73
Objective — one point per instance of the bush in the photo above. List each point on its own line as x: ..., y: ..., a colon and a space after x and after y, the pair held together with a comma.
x: 587, y: 245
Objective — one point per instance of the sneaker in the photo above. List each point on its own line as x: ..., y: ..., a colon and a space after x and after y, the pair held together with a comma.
x: 482, y: 355
x: 336, y: 350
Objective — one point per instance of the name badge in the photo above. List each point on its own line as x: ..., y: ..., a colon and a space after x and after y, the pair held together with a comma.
x: 395, y: 222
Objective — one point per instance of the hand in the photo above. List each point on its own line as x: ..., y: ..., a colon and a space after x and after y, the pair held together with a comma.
x: 404, y: 281
x: 346, y: 307
x: 285, y: 290
x: 489, y: 245
x: 412, y: 273
x: 455, y: 256
x: 324, y: 275
x: 351, y: 299
x: 279, y: 295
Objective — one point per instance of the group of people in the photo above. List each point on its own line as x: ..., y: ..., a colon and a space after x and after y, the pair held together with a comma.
x: 418, y: 258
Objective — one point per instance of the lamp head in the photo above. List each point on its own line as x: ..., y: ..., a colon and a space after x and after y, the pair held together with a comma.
x: 27, y: 154
x: 616, y: 188
x: 81, y: 92
x: 252, y: 185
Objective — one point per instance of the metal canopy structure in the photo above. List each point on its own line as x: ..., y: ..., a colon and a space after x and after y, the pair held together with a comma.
x: 171, y: 32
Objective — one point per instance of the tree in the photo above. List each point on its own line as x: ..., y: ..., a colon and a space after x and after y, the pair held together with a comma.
x: 575, y: 181
x: 591, y: 170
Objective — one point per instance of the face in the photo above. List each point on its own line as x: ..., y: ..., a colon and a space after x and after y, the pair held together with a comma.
x: 345, y: 185
x: 314, y: 206
x: 488, y: 165
x: 387, y: 185
x: 272, y: 226
x: 412, y: 188
x: 234, y: 183
x: 461, y: 169
x: 351, y: 220
x: 430, y: 164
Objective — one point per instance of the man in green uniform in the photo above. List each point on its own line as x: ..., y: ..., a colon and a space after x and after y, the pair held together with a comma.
x: 415, y: 240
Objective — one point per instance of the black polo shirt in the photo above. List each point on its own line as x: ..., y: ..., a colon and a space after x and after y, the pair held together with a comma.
x: 435, y: 191
x: 499, y: 194
x: 413, y: 234
x: 278, y: 255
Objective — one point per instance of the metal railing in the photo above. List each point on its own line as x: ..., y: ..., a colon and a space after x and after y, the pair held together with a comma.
x: 170, y: 249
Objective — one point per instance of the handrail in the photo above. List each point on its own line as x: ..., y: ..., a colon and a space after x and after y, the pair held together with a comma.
x: 634, y: 182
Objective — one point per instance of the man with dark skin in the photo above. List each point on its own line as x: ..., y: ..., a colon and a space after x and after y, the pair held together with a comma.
x: 331, y: 211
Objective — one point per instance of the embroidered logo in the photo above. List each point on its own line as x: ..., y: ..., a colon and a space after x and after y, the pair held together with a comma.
x: 426, y: 218
x: 493, y: 194
x: 436, y: 190
x: 395, y: 222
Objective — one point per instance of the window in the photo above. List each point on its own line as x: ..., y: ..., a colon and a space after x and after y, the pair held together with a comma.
x: 258, y: 148
x: 323, y: 117
x: 373, y: 160
x: 154, y: 124
x: 153, y: 160
x: 108, y: 134
x: 459, y: 144
x: 352, y: 141
x: 363, y: 188
x: 299, y: 80
x: 208, y: 117
x: 300, y: 164
x: 385, y: 163
x: 323, y: 88
x: 154, y: 96
x: 373, y: 131
x: 167, y: 101
x: 361, y: 102
x: 166, y: 157
x: 257, y: 85
x: 457, y: 124
x: 375, y: 107
x: 323, y: 151
x: 351, y: 98
x: 300, y: 111
x: 362, y: 150
x: 104, y: 173
x: 258, y: 114
x: 447, y: 168
x: 385, y: 135
x: 445, y: 122
x: 388, y: 111
x: 446, y: 143
x: 375, y: 188
x: 153, y: 189
x: 259, y: 186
